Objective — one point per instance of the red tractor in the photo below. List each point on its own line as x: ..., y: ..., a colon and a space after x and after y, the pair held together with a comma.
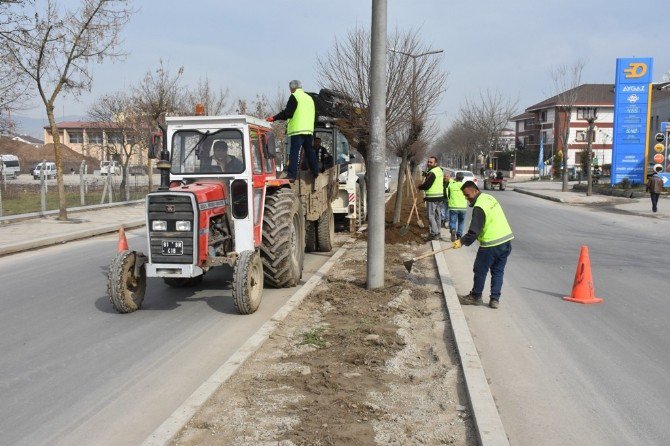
x: 221, y: 203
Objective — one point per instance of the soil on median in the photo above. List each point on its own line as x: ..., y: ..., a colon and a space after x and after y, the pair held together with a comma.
x: 349, y: 366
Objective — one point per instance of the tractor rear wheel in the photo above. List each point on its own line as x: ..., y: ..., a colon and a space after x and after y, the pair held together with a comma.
x: 125, y: 290
x: 283, y: 246
x: 248, y: 282
x: 310, y: 236
x: 325, y: 231
x: 183, y: 282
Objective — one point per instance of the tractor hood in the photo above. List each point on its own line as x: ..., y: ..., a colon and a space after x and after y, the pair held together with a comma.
x: 208, y: 193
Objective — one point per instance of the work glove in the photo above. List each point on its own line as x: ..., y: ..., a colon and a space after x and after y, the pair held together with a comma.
x: 457, y: 244
x: 270, y: 119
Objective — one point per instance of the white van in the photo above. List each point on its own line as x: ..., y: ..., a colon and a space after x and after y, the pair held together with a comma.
x: 9, y: 166
x: 49, y: 170
x: 110, y: 168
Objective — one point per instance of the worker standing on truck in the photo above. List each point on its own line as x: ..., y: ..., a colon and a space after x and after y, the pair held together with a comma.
x: 490, y: 227
x: 433, y: 185
x: 300, y: 114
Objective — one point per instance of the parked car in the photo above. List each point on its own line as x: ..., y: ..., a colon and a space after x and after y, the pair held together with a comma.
x: 110, y: 168
x: 49, y: 170
x: 467, y: 175
x: 387, y: 181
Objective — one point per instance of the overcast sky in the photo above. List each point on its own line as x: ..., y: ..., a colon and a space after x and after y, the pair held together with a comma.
x: 258, y: 46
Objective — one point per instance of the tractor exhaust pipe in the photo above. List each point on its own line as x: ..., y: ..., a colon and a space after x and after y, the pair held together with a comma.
x: 163, y: 163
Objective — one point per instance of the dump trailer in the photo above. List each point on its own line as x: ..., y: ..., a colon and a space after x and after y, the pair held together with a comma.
x: 220, y: 204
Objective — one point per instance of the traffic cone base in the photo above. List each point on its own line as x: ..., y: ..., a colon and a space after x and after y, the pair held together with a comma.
x: 123, y: 243
x: 582, y: 288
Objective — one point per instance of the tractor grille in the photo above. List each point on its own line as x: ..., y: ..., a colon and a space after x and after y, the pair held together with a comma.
x: 171, y: 208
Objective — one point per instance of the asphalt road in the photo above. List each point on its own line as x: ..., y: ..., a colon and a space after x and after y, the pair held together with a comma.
x: 73, y: 371
x: 564, y: 373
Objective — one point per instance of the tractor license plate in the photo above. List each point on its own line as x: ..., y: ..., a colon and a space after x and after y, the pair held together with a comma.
x: 173, y: 248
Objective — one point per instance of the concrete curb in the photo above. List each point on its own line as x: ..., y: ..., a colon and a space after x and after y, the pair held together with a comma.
x: 63, y: 238
x: 490, y: 429
x: 21, y: 217
x: 535, y: 194
x: 175, y: 422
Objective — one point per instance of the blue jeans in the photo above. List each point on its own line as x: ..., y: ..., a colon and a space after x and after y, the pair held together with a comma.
x: 444, y: 213
x: 493, y: 259
x: 304, y: 142
x: 457, y: 221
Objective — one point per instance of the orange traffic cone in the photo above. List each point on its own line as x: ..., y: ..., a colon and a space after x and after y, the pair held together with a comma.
x: 123, y: 243
x: 582, y: 288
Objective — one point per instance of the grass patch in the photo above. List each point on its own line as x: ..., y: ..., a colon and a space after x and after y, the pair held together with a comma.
x: 314, y: 337
x: 27, y: 202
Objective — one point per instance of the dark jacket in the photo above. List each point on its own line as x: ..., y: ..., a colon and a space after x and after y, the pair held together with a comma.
x: 655, y: 184
x: 288, y: 111
x: 476, y: 225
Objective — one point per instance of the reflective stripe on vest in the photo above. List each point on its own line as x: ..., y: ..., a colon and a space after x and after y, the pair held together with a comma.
x: 437, y: 188
x: 496, y: 230
x: 457, y: 200
x: 302, y: 122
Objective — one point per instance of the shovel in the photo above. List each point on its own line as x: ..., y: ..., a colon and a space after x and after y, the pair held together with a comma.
x: 408, y: 263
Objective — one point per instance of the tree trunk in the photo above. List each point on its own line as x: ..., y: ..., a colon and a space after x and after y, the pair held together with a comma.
x: 399, y: 189
x: 150, y: 178
x: 62, y: 203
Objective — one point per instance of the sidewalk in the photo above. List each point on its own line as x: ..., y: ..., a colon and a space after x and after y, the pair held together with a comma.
x: 551, y: 190
x: 40, y: 232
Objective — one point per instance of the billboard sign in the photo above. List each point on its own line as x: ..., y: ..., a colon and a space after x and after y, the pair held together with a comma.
x: 632, y: 101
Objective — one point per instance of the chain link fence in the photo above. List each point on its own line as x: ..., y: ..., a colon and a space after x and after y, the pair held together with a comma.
x: 37, y: 192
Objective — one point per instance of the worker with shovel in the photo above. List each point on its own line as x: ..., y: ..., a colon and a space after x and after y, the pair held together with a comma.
x: 433, y: 185
x: 490, y: 227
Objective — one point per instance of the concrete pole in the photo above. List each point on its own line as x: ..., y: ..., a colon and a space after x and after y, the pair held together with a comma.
x: 377, y: 153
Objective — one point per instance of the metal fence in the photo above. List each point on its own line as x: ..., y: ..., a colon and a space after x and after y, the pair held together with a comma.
x: 37, y: 193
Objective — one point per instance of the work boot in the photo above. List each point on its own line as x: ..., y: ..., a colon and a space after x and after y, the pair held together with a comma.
x: 453, y: 235
x: 471, y: 300
x: 494, y: 303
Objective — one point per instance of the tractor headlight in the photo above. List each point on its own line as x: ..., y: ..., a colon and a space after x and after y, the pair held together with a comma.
x: 159, y: 225
x: 183, y: 225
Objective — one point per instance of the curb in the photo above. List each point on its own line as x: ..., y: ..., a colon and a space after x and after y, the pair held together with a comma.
x: 166, y: 432
x: 63, y: 238
x: 490, y: 429
x: 535, y: 194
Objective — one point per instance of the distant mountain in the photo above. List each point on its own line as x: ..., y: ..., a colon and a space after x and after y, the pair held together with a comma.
x: 35, y: 126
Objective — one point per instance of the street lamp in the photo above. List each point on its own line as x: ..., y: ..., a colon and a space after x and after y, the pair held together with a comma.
x: 413, y: 98
x: 590, y: 115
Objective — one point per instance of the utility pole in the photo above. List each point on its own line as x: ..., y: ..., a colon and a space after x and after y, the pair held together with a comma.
x: 377, y: 154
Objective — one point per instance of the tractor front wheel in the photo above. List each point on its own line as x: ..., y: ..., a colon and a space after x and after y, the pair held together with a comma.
x: 248, y: 282
x: 125, y: 289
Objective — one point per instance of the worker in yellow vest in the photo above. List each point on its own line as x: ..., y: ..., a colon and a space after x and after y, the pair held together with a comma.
x: 490, y: 227
x: 300, y: 114
x: 458, y: 206
x: 433, y: 187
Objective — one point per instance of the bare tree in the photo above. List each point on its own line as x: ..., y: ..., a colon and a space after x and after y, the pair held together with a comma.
x: 565, y: 80
x: 13, y: 83
x: 120, y: 116
x: 159, y: 93
x: 346, y: 69
x: 485, y: 118
x: 56, y: 50
x: 215, y: 101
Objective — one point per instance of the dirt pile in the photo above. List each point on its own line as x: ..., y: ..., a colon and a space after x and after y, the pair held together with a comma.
x: 414, y: 233
x: 349, y: 366
x: 30, y: 155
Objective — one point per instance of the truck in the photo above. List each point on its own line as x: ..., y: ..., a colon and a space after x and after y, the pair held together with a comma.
x: 49, y: 170
x: 494, y: 180
x: 9, y: 166
x: 110, y: 168
x: 332, y: 108
x: 221, y: 204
